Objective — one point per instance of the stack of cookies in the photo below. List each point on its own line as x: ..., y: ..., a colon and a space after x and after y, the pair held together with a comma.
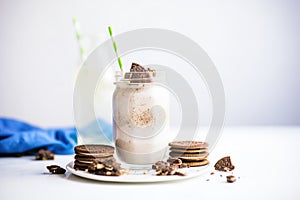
x: 87, y: 154
x: 191, y: 153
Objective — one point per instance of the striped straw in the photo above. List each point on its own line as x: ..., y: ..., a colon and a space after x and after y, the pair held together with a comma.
x: 82, y: 51
x: 115, y: 48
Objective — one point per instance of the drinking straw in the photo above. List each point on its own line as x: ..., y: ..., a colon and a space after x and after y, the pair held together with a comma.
x: 82, y: 51
x: 115, y: 48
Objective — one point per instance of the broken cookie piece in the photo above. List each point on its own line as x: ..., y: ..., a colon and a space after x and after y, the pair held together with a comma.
x: 137, y: 68
x: 44, y: 155
x: 105, y: 166
x: 138, y: 74
x: 224, y: 164
x: 55, y: 169
x: 165, y: 168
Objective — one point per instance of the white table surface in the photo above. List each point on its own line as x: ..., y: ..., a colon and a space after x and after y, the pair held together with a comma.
x: 266, y: 160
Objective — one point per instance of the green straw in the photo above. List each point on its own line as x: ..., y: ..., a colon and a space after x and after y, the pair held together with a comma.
x: 82, y: 51
x: 115, y: 48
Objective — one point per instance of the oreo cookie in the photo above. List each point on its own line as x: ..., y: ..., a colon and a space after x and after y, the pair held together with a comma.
x: 182, y: 150
x: 197, y: 163
x: 81, y: 165
x: 189, y: 156
x: 90, y: 149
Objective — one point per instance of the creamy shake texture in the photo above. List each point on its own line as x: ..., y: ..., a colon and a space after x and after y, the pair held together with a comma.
x: 140, y: 117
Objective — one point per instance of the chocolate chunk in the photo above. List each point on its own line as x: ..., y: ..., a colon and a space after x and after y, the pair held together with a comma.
x: 224, y: 164
x: 230, y: 179
x: 55, y: 169
x: 44, y: 155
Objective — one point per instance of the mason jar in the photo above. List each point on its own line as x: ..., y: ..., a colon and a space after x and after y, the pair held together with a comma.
x: 140, y: 118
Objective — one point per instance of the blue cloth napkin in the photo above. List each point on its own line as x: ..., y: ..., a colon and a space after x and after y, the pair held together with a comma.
x: 17, y: 137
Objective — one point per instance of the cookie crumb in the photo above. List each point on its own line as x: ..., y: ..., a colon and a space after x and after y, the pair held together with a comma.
x: 212, y: 173
x: 231, y: 179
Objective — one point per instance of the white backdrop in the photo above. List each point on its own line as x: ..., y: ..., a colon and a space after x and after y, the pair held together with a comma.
x: 254, y: 44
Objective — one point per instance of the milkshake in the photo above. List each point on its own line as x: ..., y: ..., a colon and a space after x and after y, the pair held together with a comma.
x: 140, y: 117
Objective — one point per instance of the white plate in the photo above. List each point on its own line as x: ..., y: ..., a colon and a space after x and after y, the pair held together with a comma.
x: 139, y: 176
